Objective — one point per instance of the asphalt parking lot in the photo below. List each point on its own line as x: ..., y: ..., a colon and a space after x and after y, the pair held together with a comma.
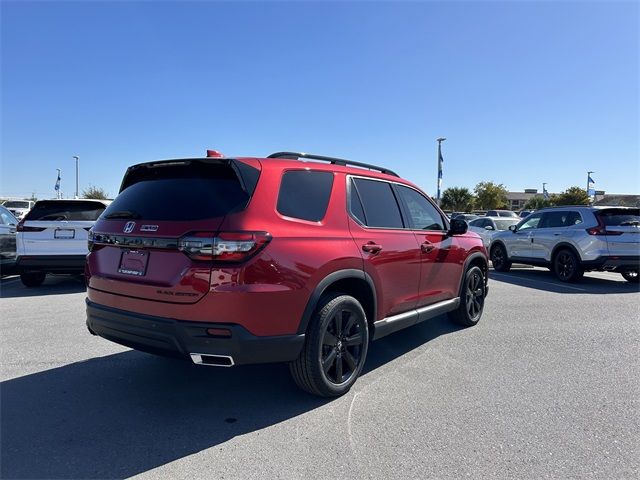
x: 546, y: 386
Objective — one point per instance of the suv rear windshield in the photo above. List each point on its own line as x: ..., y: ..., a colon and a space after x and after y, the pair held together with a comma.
x: 15, y: 204
x: 184, y: 190
x: 58, y: 210
x: 614, y: 217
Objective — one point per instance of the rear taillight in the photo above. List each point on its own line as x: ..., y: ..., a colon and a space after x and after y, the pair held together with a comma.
x: 224, y: 246
x: 601, y: 229
x: 21, y: 228
x: 90, y: 240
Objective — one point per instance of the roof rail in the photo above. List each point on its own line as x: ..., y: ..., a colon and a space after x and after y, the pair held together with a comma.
x: 334, y: 161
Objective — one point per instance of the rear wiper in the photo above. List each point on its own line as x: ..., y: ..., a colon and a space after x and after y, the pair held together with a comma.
x: 123, y: 214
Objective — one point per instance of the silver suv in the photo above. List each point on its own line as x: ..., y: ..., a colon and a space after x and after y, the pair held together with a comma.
x: 572, y: 240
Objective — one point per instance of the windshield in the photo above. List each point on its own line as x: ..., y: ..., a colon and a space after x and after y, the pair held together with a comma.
x: 16, y: 204
x: 182, y: 191
x: 616, y: 217
x: 59, y: 210
x: 503, y: 224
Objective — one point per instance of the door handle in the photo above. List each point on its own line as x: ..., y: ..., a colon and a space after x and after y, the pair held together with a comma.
x: 371, y: 247
x: 427, y: 247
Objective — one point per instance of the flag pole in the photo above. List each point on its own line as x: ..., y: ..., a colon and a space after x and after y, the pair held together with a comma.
x: 440, y: 161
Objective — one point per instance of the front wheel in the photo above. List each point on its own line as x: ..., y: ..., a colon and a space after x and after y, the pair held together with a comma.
x: 471, y: 299
x: 631, y: 276
x: 32, y: 279
x: 335, y: 347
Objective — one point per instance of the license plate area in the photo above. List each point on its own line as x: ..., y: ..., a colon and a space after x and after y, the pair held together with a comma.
x: 134, y: 262
x: 64, y: 233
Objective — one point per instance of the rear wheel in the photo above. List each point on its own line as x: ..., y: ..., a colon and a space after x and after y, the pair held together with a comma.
x: 566, y: 266
x: 631, y: 276
x: 471, y: 299
x: 499, y: 259
x: 335, y: 347
x: 32, y: 279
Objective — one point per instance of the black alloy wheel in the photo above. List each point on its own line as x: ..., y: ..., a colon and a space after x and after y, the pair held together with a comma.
x: 342, y: 346
x: 499, y: 259
x: 335, y: 348
x: 472, y: 298
x: 566, y: 266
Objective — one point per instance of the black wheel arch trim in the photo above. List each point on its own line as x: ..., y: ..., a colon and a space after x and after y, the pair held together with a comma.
x: 465, y: 268
x: 325, y: 283
x: 567, y: 246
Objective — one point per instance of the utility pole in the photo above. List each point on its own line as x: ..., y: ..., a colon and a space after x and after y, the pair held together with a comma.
x: 440, y: 162
x: 77, y: 174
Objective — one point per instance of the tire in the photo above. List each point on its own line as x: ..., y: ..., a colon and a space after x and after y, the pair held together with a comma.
x: 499, y: 259
x: 566, y: 266
x: 327, y: 356
x: 631, y: 276
x: 471, y: 300
x: 32, y: 279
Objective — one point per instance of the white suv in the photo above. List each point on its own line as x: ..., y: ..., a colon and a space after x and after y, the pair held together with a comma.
x: 52, y: 238
x: 572, y: 240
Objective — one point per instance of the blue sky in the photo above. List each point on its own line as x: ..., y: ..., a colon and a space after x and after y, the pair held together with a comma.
x: 525, y: 92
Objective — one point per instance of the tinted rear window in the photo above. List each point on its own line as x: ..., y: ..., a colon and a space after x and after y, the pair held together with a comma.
x: 16, y: 204
x: 181, y: 191
x: 58, y: 210
x: 615, y: 217
x: 379, y: 203
x: 305, y: 194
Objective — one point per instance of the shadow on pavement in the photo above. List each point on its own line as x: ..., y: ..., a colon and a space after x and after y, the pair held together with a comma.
x: 545, y: 280
x: 127, y: 413
x: 12, y: 287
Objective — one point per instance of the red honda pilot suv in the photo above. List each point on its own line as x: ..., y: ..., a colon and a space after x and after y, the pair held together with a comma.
x: 291, y: 258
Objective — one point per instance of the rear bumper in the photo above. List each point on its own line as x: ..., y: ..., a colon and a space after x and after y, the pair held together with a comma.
x: 165, y: 336
x: 52, y: 263
x: 613, y: 264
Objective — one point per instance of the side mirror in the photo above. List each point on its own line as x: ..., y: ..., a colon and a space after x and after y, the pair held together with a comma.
x: 512, y: 228
x: 488, y: 227
x: 458, y: 227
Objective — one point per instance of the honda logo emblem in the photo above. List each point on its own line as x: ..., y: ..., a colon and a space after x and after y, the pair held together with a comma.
x: 129, y: 226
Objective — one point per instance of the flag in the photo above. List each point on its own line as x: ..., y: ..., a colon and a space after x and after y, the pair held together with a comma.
x: 57, y: 187
x: 545, y: 194
x: 591, y: 179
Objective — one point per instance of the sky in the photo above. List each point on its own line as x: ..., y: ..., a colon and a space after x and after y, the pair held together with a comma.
x: 525, y: 92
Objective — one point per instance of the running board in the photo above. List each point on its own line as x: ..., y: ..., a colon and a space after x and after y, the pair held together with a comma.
x: 392, y: 324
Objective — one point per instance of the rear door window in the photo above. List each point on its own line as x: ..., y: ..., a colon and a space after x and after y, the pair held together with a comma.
x: 379, y: 203
x: 183, y: 191
x: 59, y: 210
x: 305, y: 194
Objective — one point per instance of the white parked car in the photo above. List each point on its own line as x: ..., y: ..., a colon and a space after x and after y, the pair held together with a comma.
x: 53, y: 236
x: 571, y: 240
x: 19, y: 208
x: 487, y: 227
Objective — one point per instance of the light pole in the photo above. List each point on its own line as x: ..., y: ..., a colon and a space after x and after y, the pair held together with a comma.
x: 77, y: 158
x: 440, y: 161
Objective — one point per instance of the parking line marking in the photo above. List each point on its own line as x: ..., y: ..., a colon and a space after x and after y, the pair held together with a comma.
x: 561, y: 285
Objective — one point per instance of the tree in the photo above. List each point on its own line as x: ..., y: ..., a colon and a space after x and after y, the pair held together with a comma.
x: 96, y: 193
x: 490, y: 195
x: 538, y: 202
x: 457, y: 199
x: 572, y: 196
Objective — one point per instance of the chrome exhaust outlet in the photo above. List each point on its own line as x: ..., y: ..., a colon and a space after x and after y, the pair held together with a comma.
x: 212, y: 360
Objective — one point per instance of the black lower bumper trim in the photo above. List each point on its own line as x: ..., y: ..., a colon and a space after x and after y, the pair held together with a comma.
x: 179, y: 338
x: 52, y: 263
x: 614, y: 264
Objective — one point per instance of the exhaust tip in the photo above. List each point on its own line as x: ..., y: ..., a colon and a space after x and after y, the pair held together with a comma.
x: 212, y: 360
